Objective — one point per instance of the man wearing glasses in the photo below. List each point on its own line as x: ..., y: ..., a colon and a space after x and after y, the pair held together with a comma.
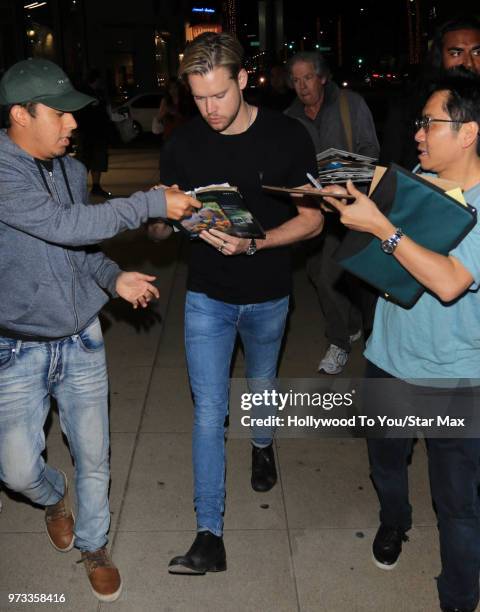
x: 437, y: 340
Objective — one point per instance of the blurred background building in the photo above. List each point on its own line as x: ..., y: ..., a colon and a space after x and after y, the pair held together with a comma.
x: 137, y: 46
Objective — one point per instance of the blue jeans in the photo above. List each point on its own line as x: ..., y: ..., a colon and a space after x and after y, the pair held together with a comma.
x: 454, y: 470
x: 211, y: 328
x: 73, y: 371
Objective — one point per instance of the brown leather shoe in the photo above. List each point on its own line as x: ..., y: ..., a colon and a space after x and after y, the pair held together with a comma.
x: 103, y: 575
x: 59, y: 520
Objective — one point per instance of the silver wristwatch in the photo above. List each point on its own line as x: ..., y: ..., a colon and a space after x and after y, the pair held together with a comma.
x: 390, y: 244
x: 252, y: 247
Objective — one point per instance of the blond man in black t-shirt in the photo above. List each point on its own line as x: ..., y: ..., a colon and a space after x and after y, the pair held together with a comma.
x: 235, y: 285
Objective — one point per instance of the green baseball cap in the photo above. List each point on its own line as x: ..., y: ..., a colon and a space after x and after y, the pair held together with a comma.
x: 39, y: 80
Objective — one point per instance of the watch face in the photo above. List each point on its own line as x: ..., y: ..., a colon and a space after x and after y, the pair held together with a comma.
x: 390, y: 244
x: 252, y: 247
x: 388, y: 247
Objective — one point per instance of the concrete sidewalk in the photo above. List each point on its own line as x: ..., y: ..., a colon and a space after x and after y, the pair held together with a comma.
x: 304, y: 546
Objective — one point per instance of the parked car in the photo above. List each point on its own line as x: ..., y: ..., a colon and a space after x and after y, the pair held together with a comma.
x: 141, y: 109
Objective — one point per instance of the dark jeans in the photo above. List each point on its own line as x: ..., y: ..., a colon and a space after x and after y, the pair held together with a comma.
x: 454, y: 481
x: 347, y: 303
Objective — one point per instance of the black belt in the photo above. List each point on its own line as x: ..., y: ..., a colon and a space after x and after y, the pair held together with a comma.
x: 6, y: 333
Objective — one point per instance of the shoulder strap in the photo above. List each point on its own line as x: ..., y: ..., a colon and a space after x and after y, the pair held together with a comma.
x: 346, y: 120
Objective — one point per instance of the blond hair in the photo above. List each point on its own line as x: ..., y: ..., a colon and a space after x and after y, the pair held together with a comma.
x: 211, y: 50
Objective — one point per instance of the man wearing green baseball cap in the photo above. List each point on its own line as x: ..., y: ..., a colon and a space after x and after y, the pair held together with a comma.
x: 39, y: 80
x: 53, y: 282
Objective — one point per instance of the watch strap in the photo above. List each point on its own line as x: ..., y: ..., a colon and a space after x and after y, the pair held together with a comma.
x: 390, y: 244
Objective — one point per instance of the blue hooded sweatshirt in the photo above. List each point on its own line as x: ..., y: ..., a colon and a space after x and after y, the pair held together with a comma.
x: 52, y: 276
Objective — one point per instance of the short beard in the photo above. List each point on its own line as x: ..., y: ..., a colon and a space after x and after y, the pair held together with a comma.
x: 231, y: 118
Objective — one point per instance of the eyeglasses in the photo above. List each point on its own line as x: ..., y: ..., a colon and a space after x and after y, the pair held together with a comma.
x: 424, y: 122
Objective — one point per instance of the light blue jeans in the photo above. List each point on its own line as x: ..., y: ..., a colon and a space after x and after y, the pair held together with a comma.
x: 211, y: 328
x: 73, y: 371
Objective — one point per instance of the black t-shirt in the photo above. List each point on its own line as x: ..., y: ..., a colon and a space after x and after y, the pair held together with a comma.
x: 275, y: 150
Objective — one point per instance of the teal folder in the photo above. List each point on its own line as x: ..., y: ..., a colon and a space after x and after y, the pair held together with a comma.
x: 425, y: 213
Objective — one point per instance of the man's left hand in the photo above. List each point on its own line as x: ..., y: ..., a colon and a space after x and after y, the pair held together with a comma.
x: 362, y: 215
x: 226, y: 244
x: 136, y: 288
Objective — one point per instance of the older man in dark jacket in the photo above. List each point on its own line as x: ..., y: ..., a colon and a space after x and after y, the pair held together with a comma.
x: 341, y: 119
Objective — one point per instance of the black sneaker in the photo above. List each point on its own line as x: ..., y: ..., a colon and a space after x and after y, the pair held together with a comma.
x: 457, y: 609
x: 264, y: 472
x: 387, y: 546
x: 206, y: 554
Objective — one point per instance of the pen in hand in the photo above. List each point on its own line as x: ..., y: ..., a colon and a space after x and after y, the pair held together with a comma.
x: 314, y: 181
x: 318, y: 185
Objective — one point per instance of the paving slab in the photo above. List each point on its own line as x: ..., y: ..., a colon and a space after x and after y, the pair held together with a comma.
x: 159, y: 492
x: 128, y: 393
x: 335, y: 572
x: 259, y: 575
x: 326, y: 484
x: 159, y: 495
x: 169, y: 407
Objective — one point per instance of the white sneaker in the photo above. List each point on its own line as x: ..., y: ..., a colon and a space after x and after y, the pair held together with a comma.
x: 334, y: 360
x: 356, y: 336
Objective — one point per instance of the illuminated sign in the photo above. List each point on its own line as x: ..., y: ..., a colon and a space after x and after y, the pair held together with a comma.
x: 202, y: 10
x: 192, y: 32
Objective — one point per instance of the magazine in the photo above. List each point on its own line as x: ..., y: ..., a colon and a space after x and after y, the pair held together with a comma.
x: 317, y: 193
x: 337, y: 166
x: 224, y: 209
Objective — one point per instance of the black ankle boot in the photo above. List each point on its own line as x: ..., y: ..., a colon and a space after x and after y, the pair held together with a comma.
x: 264, y: 473
x: 206, y: 554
